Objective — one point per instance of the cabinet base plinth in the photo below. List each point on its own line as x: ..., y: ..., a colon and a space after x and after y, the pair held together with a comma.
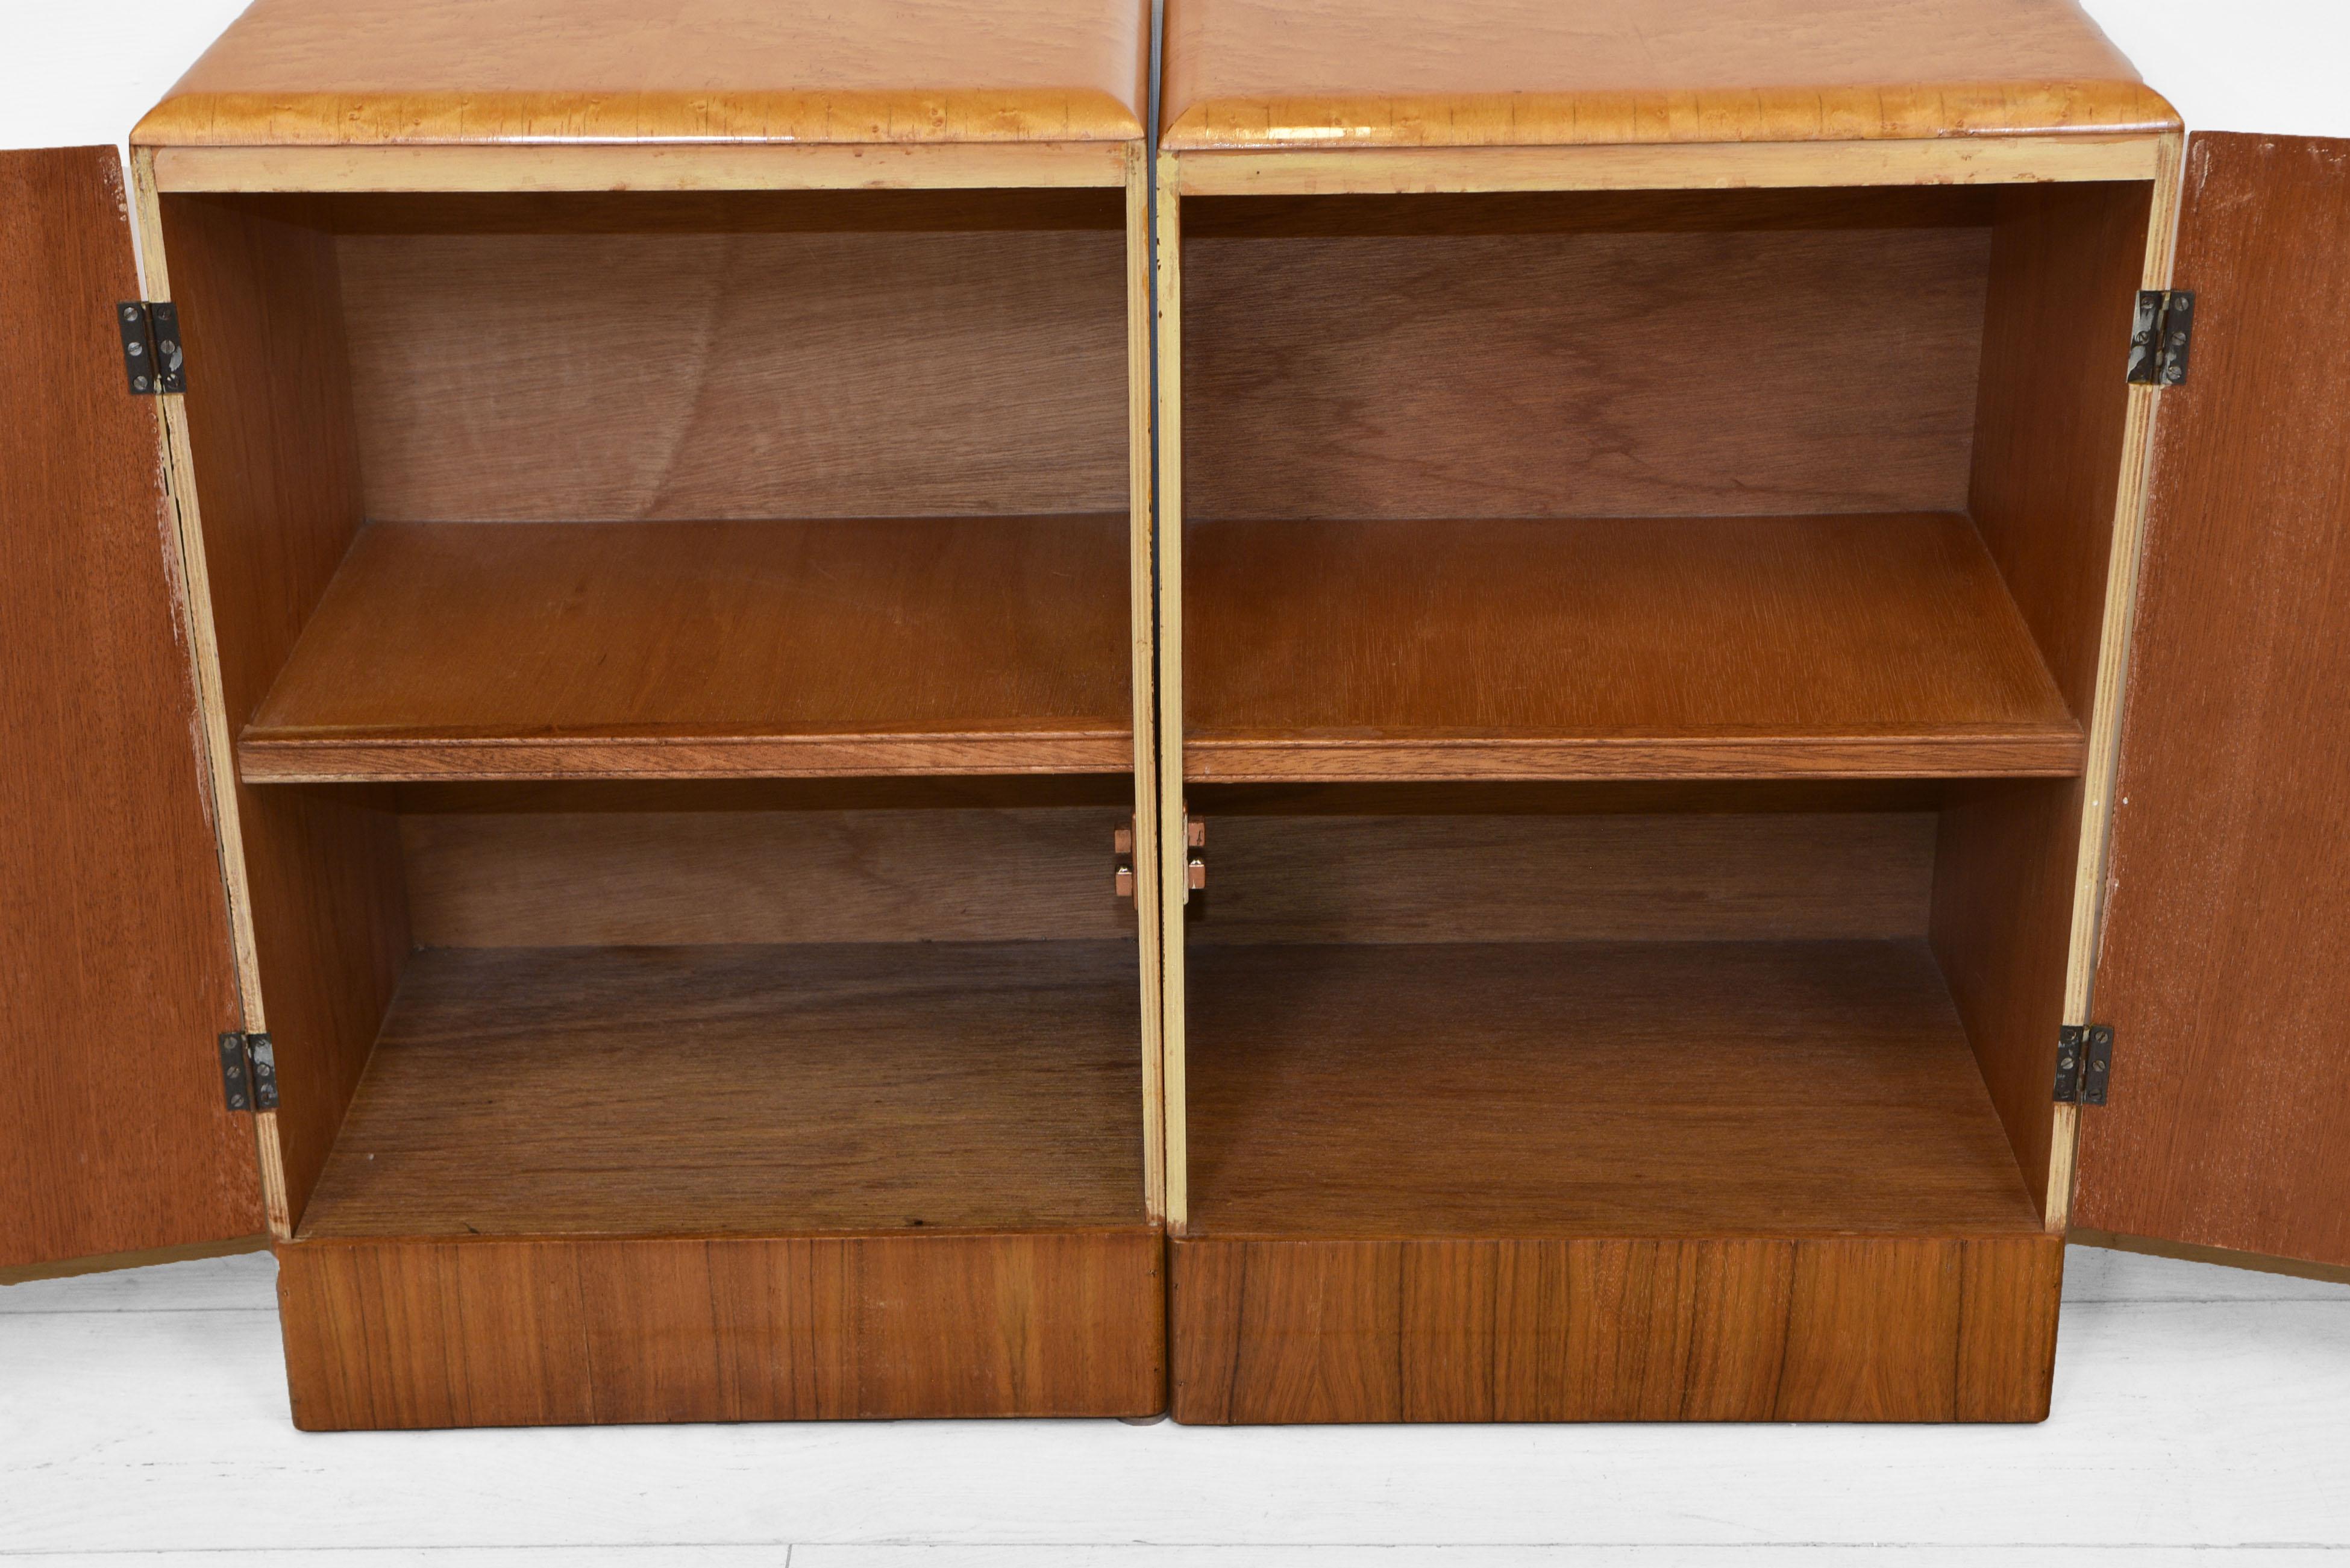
x: 505, y: 1332
x: 1836, y: 1329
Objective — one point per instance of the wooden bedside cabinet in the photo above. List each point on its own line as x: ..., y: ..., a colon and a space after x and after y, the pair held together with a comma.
x: 657, y: 519
x: 1737, y: 730
x: 1661, y: 495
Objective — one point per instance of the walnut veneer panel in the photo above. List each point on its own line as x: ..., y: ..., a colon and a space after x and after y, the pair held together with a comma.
x: 654, y: 877
x: 554, y: 71
x: 2226, y: 959
x: 1581, y: 355
x: 747, y: 1090
x: 1829, y: 646
x: 1716, y: 1329
x: 1575, y: 1090
x: 1463, y: 876
x: 745, y: 370
x: 1392, y: 73
x: 525, y: 650
x: 114, y: 1136
x: 407, y: 1334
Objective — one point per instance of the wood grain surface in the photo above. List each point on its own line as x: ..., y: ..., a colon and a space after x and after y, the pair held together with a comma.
x: 1714, y: 1329
x: 409, y: 1334
x: 1388, y: 73
x: 674, y: 648
x: 547, y: 72
x: 654, y: 877
x: 737, y: 356
x: 1956, y: 160
x: 1470, y: 876
x: 2048, y: 465
x: 1830, y: 646
x: 677, y: 166
x: 115, y: 1136
x: 267, y: 432
x: 1605, y: 1089
x: 747, y: 1090
x: 1585, y: 355
x: 2227, y: 935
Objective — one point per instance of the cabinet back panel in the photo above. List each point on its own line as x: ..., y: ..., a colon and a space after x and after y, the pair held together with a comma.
x: 601, y: 375
x: 1632, y: 362
x: 639, y: 879
x: 1862, y: 876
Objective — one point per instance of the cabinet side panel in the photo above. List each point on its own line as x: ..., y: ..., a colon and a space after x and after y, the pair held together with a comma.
x: 2226, y: 953
x: 272, y: 444
x: 1730, y: 1329
x: 115, y: 1136
x: 2054, y: 421
x: 417, y: 1334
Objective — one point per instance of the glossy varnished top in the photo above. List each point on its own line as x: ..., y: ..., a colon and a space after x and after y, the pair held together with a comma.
x: 1464, y: 72
x: 359, y: 72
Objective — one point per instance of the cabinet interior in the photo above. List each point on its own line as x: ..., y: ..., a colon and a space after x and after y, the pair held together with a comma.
x: 1639, y: 654
x: 677, y: 653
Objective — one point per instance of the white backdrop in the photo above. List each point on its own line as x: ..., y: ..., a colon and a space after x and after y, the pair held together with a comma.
x: 80, y: 71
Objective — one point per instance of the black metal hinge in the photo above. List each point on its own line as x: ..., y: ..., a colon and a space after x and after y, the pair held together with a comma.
x: 2085, y: 1062
x: 2163, y: 338
x: 248, y: 1072
x: 152, y: 356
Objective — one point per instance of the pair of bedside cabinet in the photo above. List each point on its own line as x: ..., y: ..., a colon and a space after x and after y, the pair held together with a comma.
x: 1565, y: 712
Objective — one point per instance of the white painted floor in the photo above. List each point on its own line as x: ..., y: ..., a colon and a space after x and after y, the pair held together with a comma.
x: 2203, y: 1416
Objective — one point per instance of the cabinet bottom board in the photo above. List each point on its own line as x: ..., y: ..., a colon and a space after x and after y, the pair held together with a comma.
x: 1714, y: 1329
x: 502, y: 1332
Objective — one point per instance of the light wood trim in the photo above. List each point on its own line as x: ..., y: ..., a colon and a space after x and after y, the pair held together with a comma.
x: 2113, y: 670
x: 809, y: 166
x: 1174, y: 890
x: 2190, y: 1252
x: 1682, y: 166
x: 427, y: 761
x: 212, y: 707
x: 1144, y: 620
x: 2052, y: 752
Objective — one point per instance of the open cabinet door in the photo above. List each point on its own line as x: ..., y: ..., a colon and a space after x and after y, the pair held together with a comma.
x: 115, y: 1132
x: 2225, y: 963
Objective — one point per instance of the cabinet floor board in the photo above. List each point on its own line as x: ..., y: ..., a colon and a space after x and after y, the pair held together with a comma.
x: 1589, y: 1089
x: 892, y: 1088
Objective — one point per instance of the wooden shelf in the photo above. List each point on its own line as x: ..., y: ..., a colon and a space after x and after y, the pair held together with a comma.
x: 1551, y: 1090
x: 1827, y: 646
x: 525, y: 650
x: 748, y: 1091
